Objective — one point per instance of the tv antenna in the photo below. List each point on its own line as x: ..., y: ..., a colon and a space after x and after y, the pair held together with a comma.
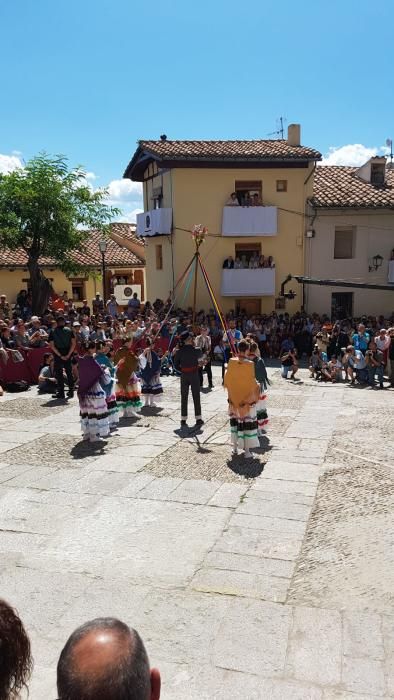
x: 389, y: 144
x: 280, y: 130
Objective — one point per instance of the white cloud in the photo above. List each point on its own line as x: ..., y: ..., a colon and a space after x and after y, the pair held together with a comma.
x: 10, y: 163
x: 355, y: 154
x: 91, y: 176
x: 129, y: 217
x: 125, y: 190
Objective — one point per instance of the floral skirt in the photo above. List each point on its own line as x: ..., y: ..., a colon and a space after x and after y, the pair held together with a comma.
x: 261, y: 410
x: 153, y: 387
x: 128, y: 398
x: 94, y: 414
x: 243, y: 429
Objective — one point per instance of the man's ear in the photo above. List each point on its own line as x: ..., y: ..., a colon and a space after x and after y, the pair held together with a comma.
x: 155, y: 684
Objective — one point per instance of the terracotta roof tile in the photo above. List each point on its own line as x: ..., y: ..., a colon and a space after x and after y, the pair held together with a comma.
x: 89, y: 255
x: 338, y: 186
x: 128, y: 231
x: 227, y: 150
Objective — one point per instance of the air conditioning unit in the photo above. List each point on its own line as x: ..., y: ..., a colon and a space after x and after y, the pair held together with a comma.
x: 124, y: 292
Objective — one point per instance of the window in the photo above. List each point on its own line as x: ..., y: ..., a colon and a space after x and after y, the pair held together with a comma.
x: 246, y: 191
x: 77, y: 289
x: 344, y: 242
x: 159, y: 257
x: 281, y: 185
x: 341, y: 305
x: 248, y: 250
x: 377, y: 173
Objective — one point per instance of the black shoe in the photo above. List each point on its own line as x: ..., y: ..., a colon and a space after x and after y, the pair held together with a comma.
x: 70, y: 394
x: 211, y: 386
x: 183, y: 424
x: 199, y: 422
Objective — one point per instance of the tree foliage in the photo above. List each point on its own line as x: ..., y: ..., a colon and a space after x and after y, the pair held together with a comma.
x: 47, y: 210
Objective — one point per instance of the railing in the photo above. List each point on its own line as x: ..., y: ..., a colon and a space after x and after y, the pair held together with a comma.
x: 248, y: 283
x: 250, y: 221
x: 156, y: 222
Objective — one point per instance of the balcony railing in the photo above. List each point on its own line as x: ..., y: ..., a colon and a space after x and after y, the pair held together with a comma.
x: 156, y: 222
x: 250, y: 221
x: 248, y: 283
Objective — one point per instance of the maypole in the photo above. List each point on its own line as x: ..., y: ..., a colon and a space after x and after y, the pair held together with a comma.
x: 199, y: 233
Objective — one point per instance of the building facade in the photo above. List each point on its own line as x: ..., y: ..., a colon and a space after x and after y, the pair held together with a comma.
x: 191, y: 182
x: 124, y: 266
x: 351, y: 229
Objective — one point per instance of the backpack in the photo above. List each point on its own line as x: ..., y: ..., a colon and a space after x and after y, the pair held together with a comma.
x: 15, y: 387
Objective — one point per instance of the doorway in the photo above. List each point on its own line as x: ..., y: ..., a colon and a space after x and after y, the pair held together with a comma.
x: 251, y: 306
x: 341, y: 305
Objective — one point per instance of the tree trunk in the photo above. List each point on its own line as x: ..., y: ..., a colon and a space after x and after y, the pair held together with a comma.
x: 40, y: 288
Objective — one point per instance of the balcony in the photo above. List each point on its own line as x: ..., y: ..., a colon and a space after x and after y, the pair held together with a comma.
x: 250, y: 221
x: 156, y: 222
x: 248, y: 283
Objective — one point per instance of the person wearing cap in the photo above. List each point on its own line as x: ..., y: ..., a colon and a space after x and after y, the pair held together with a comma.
x: 37, y: 334
x: 62, y: 342
x: 112, y: 307
x: 186, y: 361
x: 85, y: 309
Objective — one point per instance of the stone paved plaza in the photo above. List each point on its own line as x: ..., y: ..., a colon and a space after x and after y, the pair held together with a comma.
x: 268, y: 578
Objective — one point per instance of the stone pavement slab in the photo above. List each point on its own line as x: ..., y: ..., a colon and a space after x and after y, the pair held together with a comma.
x: 252, y: 579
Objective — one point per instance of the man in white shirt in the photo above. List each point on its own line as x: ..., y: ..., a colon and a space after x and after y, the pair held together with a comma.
x: 203, y: 343
x: 233, y: 201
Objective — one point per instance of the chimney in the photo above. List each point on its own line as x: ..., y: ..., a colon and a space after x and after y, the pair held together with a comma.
x: 294, y: 135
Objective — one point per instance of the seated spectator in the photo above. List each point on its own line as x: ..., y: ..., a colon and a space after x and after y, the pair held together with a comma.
x: 233, y: 200
x: 37, y: 333
x: 316, y: 363
x: 289, y: 363
x: 374, y: 359
x: 16, y: 662
x: 21, y: 336
x: 5, y: 338
x: 228, y: 263
x: 106, y: 660
x: 256, y: 201
x: 333, y: 369
x: 356, y: 365
x: 47, y: 383
x: 237, y: 263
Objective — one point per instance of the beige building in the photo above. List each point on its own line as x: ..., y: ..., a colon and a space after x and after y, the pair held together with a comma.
x: 191, y: 182
x: 124, y: 267
x: 352, y: 238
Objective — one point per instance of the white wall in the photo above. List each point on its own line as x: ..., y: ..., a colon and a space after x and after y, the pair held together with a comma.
x: 374, y: 235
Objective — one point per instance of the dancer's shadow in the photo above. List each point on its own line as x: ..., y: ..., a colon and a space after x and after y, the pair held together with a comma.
x: 151, y: 410
x: 85, y: 448
x: 264, y: 446
x: 249, y: 468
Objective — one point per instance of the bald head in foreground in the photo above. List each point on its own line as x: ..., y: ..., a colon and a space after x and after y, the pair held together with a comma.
x: 106, y: 660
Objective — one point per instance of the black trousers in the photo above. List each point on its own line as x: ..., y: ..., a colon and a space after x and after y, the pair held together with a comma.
x: 208, y: 368
x: 61, y: 365
x: 191, y: 381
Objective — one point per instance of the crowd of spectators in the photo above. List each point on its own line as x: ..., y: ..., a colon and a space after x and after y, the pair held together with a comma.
x: 251, y: 262
x: 244, y: 199
x: 353, y: 349
x: 103, y: 659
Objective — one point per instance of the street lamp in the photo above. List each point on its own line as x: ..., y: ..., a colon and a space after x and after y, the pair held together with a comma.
x: 103, y: 245
x: 377, y: 261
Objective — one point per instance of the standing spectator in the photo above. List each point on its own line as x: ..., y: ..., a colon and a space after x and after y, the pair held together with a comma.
x: 133, y: 306
x: 391, y: 355
x: 203, y: 343
x: 97, y: 305
x: 62, y: 342
x: 112, y: 307
x: 233, y: 200
x: 228, y: 263
x: 4, y: 307
x: 383, y: 343
x: 360, y: 339
x: 16, y: 662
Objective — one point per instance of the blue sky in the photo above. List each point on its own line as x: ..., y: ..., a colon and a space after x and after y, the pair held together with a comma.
x: 88, y: 78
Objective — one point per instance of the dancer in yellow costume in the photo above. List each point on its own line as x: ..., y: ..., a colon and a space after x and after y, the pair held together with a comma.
x: 243, y: 395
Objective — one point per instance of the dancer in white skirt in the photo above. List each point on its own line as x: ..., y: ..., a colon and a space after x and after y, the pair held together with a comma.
x: 151, y: 385
x: 92, y: 402
x: 262, y: 378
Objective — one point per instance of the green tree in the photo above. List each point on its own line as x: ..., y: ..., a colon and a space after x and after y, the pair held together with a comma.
x: 47, y: 210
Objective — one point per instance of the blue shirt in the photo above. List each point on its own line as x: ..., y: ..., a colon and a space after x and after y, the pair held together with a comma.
x: 360, y: 342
